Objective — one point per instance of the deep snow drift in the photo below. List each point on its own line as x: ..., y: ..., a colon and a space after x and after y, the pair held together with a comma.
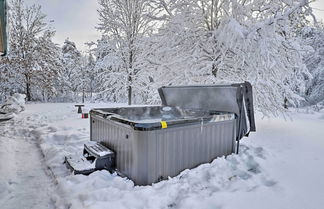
x: 280, y: 166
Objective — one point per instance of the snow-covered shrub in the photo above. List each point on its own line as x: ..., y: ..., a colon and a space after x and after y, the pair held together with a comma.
x: 14, y: 104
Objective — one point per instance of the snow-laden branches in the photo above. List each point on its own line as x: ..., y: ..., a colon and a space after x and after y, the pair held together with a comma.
x: 212, y: 41
x: 146, y: 44
x: 314, y: 59
x: 123, y: 24
x: 32, y: 57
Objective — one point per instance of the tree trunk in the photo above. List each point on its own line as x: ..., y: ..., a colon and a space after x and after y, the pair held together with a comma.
x: 28, y: 94
x: 91, y: 89
x: 83, y: 95
x: 130, y: 73
x: 214, y: 70
x: 129, y: 89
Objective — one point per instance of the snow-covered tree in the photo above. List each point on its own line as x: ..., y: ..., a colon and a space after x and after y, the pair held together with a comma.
x: 5, y: 78
x: 33, y: 57
x: 208, y: 41
x: 90, y: 75
x: 87, y: 76
x: 314, y: 59
x: 71, y: 78
x: 123, y: 24
x: 111, y: 76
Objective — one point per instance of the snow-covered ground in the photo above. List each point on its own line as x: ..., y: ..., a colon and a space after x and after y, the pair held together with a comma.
x: 280, y: 166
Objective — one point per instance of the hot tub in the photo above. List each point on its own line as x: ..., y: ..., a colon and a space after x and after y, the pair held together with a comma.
x: 194, y: 125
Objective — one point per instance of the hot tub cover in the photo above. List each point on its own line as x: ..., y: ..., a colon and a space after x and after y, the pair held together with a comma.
x: 147, y: 118
x: 235, y: 98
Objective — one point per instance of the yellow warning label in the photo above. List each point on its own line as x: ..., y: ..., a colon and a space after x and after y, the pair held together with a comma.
x: 164, y: 124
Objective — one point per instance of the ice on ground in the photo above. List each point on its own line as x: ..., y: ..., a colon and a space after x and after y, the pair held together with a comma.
x: 280, y: 166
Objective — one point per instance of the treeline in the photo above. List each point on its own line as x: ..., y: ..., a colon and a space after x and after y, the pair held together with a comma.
x: 38, y: 67
x: 276, y: 45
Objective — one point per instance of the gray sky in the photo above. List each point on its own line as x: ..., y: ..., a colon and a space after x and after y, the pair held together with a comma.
x: 73, y: 19
x: 76, y: 19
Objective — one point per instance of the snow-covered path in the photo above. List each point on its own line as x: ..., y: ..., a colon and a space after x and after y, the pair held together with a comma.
x: 25, y: 182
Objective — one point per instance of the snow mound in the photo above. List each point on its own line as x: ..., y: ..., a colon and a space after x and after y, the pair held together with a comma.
x: 14, y: 104
x: 194, y: 188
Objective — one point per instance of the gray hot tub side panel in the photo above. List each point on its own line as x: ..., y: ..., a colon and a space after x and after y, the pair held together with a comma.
x: 149, y: 156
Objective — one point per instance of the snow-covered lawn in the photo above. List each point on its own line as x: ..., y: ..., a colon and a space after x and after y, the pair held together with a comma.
x: 280, y: 166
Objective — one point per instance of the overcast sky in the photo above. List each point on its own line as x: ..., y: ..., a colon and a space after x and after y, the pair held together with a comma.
x: 77, y: 19
x: 73, y: 19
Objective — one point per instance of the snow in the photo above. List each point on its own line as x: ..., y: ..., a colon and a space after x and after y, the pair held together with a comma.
x: 98, y: 148
x: 24, y: 177
x: 279, y: 166
x: 6, y: 116
x: 14, y: 104
x: 80, y: 163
